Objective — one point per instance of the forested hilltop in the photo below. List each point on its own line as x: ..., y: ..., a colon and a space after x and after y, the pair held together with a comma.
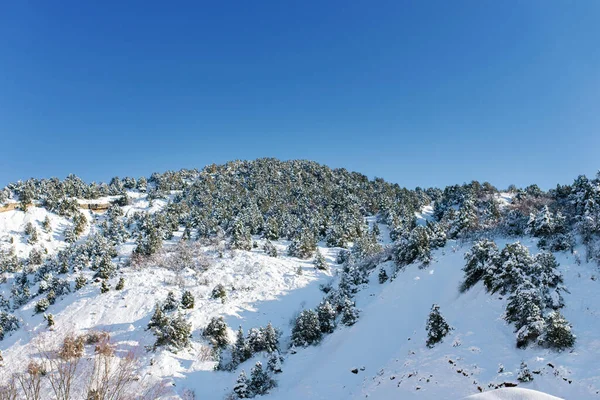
x: 211, y: 233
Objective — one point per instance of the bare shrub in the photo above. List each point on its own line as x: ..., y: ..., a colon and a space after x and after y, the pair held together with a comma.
x: 206, y: 353
x: 94, y: 337
x: 8, y: 389
x: 31, y: 380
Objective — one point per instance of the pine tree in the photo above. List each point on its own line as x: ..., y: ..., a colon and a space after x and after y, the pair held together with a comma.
x: 306, y: 330
x: 80, y: 282
x: 349, y: 312
x: 558, y: 333
x: 158, y: 319
x: 274, y: 363
x: 42, y: 306
x: 46, y: 225
x: 120, y: 284
x: 219, y: 292
x: 104, y: 287
x: 271, y: 229
x: 479, y: 259
x: 260, y: 381
x: 240, y: 236
x: 320, y: 262
x: 326, y: 315
x: 170, y: 302
x: 106, y: 268
x: 383, y: 276
x: 241, y: 386
x: 187, y: 300
x: 525, y: 374
x: 270, y: 249
x: 241, y: 350
x: 437, y: 327
x: 216, y: 332
x: 49, y: 319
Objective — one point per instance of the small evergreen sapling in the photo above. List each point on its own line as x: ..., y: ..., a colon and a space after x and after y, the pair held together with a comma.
x: 437, y: 327
x: 260, y: 381
x: 170, y: 302
x: 326, y: 315
x: 525, y: 374
x: 120, y: 284
x: 320, y: 262
x: 42, y: 306
x: 241, y: 386
x: 49, y: 319
x: 383, y: 276
x: 219, y: 292
x: 274, y: 363
x: 558, y: 333
x: 80, y: 282
x: 104, y: 287
x: 187, y: 300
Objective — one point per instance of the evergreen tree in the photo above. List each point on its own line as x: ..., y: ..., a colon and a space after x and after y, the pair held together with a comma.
x: 558, y: 333
x: 525, y: 374
x: 319, y: 261
x: 241, y: 349
x: 271, y: 229
x: 326, y: 315
x: 46, y: 225
x: 479, y: 259
x: 49, y: 319
x: 170, y: 302
x: 104, y: 287
x: 383, y: 276
x: 240, y: 236
x: 271, y: 338
x: 106, y: 268
x: 120, y: 284
x: 158, y: 319
x: 524, y: 309
x: 270, y: 249
x: 415, y: 247
x: 187, y: 300
x: 175, y: 332
x: 219, y: 292
x: 241, y: 386
x: 349, y: 312
x: 42, y: 305
x: 216, y: 332
x: 260, y: 381
x: 80, y: 282
x: 274, y: 363
x: 306, y: 330
x: 437, y: 327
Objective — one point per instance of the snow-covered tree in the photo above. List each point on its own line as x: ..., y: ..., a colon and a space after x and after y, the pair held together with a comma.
x: 319, y: 261
x: 187, y: 300
x: 326, y: 315
x: 437, y: 327
x: 558, y: 334
x: 349, y: 312
x: 216, y: 332
x: 306, y: 329
x: 260, y: 381
x: 482, y: 256
x: 241, y: 386
x: 170, y: 302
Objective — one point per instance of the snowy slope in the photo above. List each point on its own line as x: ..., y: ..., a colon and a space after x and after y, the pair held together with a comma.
x: 512, y: 394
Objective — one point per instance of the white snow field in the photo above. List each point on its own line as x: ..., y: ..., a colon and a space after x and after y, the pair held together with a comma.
x: 385, y: 348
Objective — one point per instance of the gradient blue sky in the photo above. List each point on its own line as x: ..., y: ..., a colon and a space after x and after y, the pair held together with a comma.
x: 422, y: 93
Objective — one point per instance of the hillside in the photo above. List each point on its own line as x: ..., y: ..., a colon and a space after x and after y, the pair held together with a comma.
x: 150, y: 280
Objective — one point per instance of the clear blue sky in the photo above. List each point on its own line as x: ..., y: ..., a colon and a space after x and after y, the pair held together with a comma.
x: 422, y: 93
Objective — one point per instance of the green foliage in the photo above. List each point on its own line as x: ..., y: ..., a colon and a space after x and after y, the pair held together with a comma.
x: 307, y: 329
x: 187, y: 300
x: 216, y: 332
x: 104, y: 287
x: 437, y: 327
x: 219, y: 292
x: 120, y: 284
x: 80, y: 282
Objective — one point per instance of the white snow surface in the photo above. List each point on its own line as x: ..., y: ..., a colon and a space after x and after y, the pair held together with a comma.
x: 512, y: 394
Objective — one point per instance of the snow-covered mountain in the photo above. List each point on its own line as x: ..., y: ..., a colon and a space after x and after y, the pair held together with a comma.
x: 170, y: 287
